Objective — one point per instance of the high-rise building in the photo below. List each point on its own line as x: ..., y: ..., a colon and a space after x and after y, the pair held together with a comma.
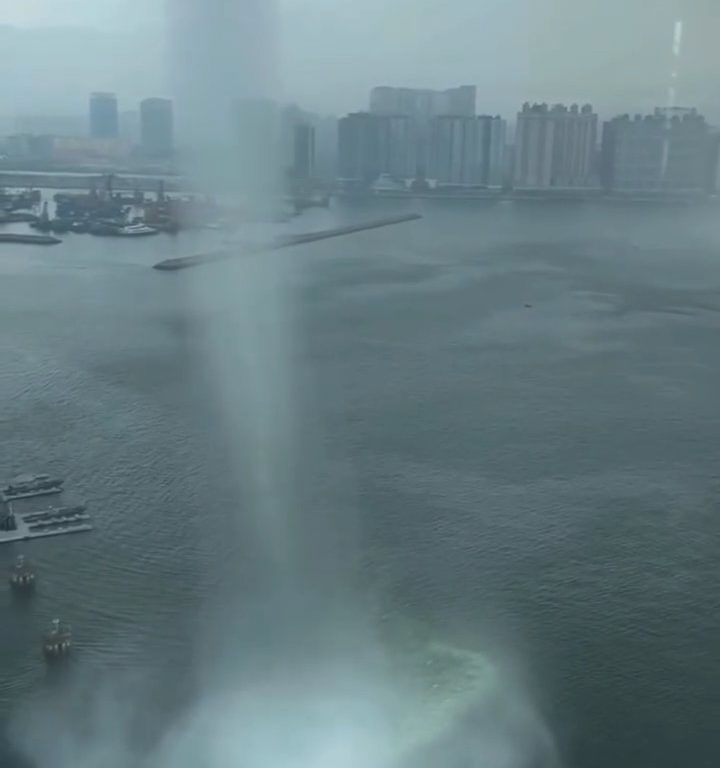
x: 303, y: 151
x: 493, y: 135
x: 423, y: 103
x: 456, y: 151
x: 396, y: 146
x: 534, y: 142
x: 359, y: 148
x: 157, y: 127
x: 713, y: 176
x: 422, y: 106
x: 663, y: 152
x: 104, y: 122
x: 555, y: 147
x: 468, y: 150
x: 324, y: 141
x: 370, y: 145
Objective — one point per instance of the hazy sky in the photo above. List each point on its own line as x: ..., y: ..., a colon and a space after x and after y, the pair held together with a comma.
x: 615, y: 53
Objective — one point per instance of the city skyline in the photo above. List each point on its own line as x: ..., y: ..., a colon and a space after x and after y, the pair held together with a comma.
x: 413, y: 135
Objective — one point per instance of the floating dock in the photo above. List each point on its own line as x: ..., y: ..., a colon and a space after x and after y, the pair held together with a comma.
x: 6, y: 497
x: 286, y: 241
x: 54, y: 521
x: 29, y: 486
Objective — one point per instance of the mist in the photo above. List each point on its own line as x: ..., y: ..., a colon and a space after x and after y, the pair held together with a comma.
x: 612, y: 53
x: 298, y: 672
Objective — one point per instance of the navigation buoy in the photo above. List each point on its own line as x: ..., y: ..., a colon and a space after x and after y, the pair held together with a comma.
x: 57, y: 641
x: 22, y: 575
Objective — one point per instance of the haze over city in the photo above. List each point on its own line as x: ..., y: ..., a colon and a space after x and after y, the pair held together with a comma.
x: 613, y: 53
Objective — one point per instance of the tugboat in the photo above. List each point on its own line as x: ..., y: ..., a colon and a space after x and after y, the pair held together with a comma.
x: 22, y: 576
x: 57, y: 642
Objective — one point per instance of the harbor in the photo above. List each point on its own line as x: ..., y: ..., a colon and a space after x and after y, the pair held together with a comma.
x: 33, y: 524
x: 39, y: 523
x: 102, y: 209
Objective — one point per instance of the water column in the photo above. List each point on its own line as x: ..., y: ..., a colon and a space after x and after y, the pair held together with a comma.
x: 291, y: 679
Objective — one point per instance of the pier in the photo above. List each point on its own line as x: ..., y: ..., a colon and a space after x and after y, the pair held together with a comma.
x: 29, y: 486
x: 286, y: 241
x: 13, y: 237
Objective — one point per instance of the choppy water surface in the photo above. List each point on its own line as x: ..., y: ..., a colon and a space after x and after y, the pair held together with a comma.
x: 506, y: 417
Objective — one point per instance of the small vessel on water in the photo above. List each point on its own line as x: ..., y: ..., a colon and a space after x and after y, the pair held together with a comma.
x: 22, y: 575
x: 57, y: 641
x: 137, y: 230
x: 28, y: 486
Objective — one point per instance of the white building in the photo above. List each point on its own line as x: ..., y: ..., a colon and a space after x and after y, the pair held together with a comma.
x: 666, y: 152
x: 555, y: 148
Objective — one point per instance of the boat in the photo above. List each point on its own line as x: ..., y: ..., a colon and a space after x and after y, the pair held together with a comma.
x: 27, y: 486
x: 137, y: 230
x: 57, y: 641
x: 22, y: 575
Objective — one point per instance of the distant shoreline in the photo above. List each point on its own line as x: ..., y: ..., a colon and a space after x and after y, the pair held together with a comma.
x: 545, y: 196
x: 73, y: 180
x: 129, y: 181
